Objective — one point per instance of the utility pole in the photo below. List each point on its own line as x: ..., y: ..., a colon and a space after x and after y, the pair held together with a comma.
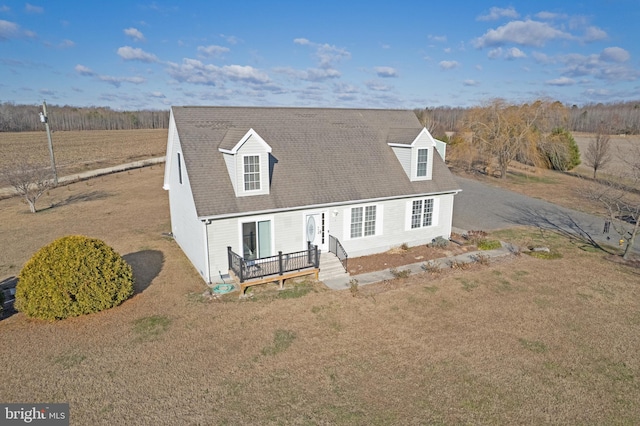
x: 45, y: 119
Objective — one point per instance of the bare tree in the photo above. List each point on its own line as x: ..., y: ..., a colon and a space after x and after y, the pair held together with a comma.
x: 598, y: 153
x: 622, y: 202
x: 31, y: 180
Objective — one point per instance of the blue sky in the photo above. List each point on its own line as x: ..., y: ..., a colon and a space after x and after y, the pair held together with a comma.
x: 373, y: 54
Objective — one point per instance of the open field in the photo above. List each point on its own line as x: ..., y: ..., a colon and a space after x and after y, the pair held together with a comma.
x: 523, y: 341
x: 622, y: 146
x: 80, y: 151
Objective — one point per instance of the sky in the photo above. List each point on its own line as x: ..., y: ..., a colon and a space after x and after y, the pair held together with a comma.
x: 131, y: 54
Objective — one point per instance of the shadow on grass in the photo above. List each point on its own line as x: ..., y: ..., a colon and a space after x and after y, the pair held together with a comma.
x: 79, y: 198
x: 146, y: 265
x: 558, y: 221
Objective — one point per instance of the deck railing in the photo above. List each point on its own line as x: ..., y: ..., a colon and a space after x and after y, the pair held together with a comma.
x: 336, y: 248
x: 246, y: 269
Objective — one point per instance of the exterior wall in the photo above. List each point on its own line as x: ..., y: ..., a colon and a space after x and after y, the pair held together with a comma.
x: 187, y: 230
x: 230, y: 161
x: 404, y: 157
x: 422, y: 141
x: 252, y: 146
x: 288, y: 229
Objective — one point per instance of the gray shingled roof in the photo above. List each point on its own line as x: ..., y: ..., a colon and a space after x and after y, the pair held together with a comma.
x: 321, y: 156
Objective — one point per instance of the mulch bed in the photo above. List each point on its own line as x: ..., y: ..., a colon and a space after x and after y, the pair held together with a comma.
x: 397, y: 257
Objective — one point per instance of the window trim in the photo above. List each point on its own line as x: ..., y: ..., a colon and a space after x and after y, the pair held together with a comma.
x: 245, y: 173
x: 425, y: 163
x: 366, y: 227
x: 411, y: 215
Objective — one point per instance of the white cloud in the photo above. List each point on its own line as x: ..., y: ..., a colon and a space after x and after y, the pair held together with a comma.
x: 528, y: 33
x: 562, y: 81
x: 301, y: 41
x: 386, y: 72
x: 196, y: 72
x: 65, y: 44
x: 129, y: 53
x: 608, y: 65
x: 439, y: 39
x: 448, y: 65
x: 231, y: 39
x: 594, y: 34
x: 9, y: 30
x: 549, y: 16
x: 212, y: 50
x: 310, y: 74
x: 470, y: 83
x: 117, y: 81
x: 82, y: 70
x: 496, y: 13
x: 614, y: 54
x: 515, y: 53
x: 134, y: 33
x: 29, y: 8
x: 377, y: 86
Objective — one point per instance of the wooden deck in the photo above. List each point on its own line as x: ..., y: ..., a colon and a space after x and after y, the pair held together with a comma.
x: 273, y: 278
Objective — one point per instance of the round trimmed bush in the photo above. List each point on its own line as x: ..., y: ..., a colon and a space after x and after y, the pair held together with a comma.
x: 73, y: 276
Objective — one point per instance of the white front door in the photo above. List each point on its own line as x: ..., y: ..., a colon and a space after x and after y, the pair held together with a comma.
x: 314, y: 230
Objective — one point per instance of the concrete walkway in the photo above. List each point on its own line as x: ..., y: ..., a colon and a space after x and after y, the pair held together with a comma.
x: 343, y: 283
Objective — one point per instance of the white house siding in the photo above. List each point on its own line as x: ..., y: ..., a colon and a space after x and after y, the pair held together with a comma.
x: 230, y: 161
x: 252, y: 146
x: 187, y: 230
x: 288, y: 231
x: 404, y: 157
x: 394, y: 216
x: 422, y: 141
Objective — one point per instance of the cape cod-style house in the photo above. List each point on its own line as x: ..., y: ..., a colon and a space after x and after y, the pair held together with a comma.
x: 248, y: 183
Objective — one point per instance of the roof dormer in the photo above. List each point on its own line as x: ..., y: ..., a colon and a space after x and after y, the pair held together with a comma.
x: 247, y: 157
x: 415, y: 153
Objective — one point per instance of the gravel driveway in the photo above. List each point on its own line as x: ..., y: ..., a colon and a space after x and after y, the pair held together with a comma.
x: 483, y: 207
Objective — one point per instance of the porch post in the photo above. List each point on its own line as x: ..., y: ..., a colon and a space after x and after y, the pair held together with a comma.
x: 317, y: 259
x: 229, y: 258
x: 280, y: 262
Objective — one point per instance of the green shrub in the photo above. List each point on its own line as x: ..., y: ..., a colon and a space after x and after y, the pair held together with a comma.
x: 488, y: 244
x: 73, y: 276
x: 439, y: 242
x: 561, y: 150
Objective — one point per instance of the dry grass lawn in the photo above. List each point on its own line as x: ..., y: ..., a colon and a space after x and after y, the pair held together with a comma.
x: 523, y: 341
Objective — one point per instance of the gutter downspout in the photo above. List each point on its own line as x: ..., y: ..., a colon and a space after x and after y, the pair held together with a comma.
x: 206, y: 251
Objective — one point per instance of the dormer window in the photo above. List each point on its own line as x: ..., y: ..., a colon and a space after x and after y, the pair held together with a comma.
x: 252, y: 173
x: 423, y: 157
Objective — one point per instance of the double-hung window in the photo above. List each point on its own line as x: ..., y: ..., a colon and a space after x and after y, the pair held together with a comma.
x: 252, y: 172
x: 363, y: 221
x: 423, y: 157
x: 422, y: 213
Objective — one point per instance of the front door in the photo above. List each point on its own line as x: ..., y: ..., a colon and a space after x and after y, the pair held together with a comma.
x: 315, y: 230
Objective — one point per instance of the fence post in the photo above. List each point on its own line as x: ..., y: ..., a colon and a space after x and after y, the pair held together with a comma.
x: 308, y: 251
x: 229, y: 258
x: 241, y: 269
x: 317, y: 257
x: 280, y: 262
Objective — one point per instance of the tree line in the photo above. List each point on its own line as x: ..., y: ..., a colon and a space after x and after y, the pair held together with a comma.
x: 617, y: 118
x: 26, y: 118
